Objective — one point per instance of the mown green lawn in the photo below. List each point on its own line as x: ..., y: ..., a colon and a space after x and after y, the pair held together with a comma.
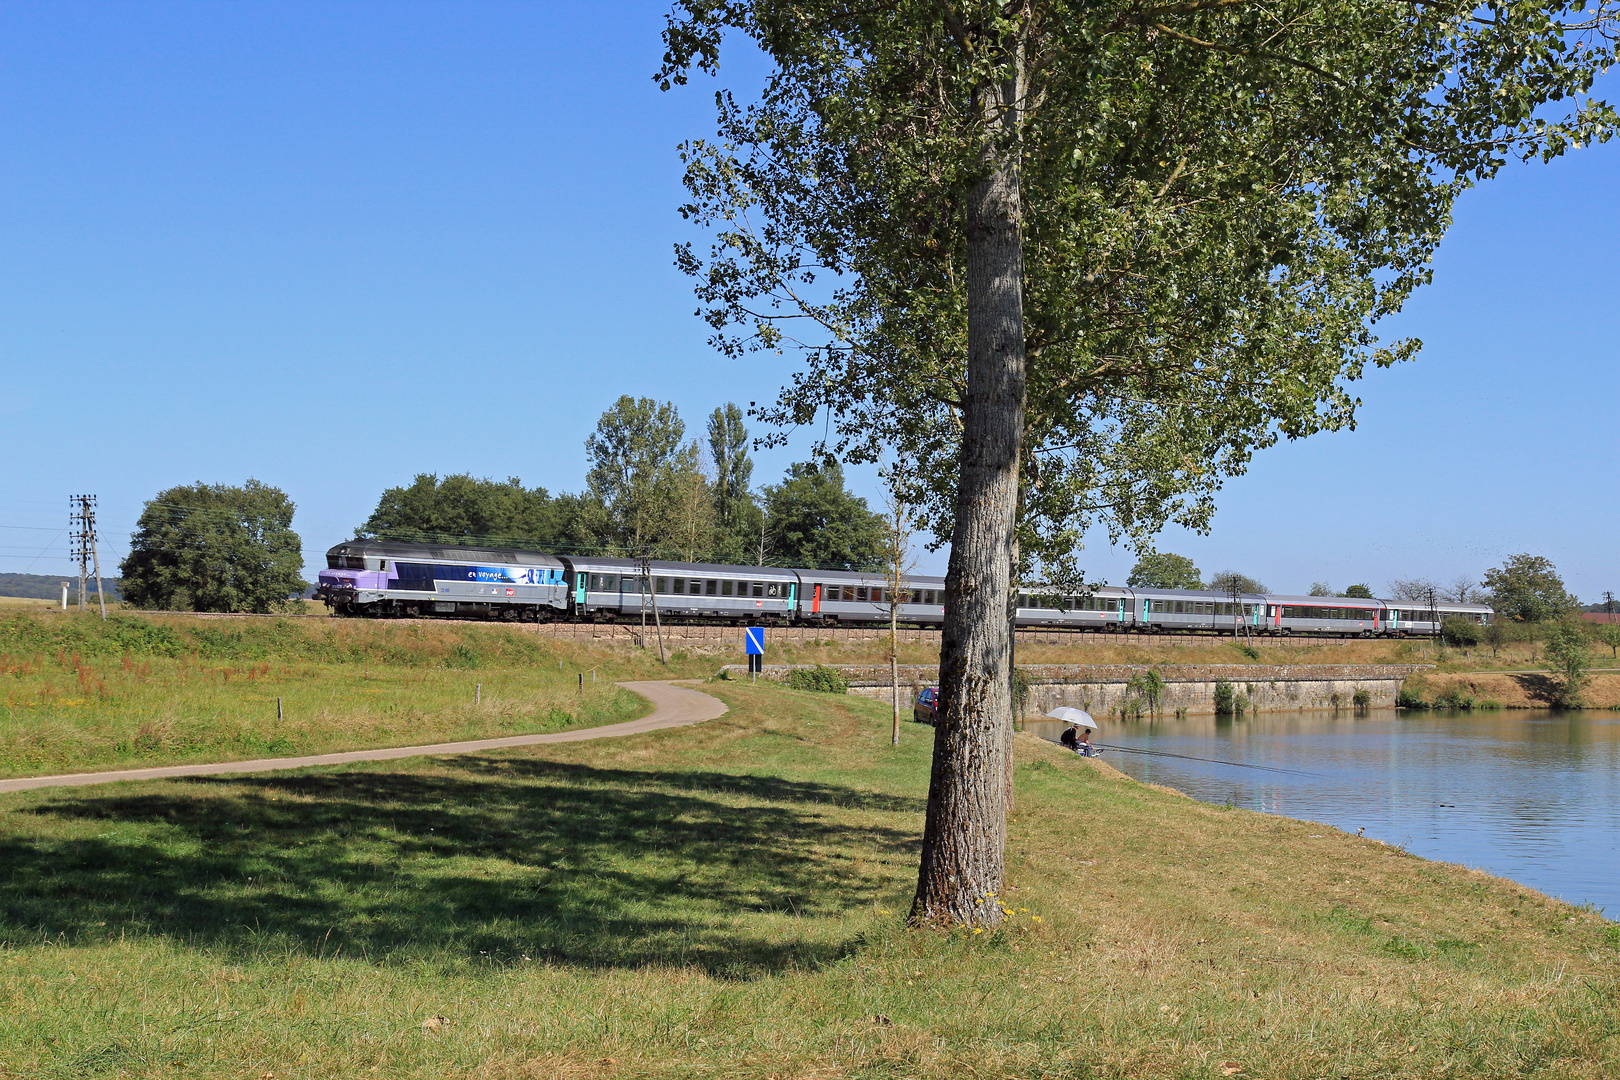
x: 727, y: 900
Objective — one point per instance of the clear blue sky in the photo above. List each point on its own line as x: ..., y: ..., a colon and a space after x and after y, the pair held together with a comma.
x: 334, y: 245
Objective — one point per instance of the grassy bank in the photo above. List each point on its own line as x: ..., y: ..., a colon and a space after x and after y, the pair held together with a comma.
x: 80, y: 694
x: 726, y: 901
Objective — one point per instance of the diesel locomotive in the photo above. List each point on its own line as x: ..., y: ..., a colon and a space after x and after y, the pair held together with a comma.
x: 382, y: 578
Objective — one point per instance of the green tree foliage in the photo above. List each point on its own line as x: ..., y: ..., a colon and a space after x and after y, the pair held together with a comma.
x: 1498, y: 632
x: 1359, y: 592
x: 1079, y: 261
x: 1609, y: 634
x: 1164, y: 570
x: 816, y: 522
x: 634, y: 454
x: 1213, y: 209
x: 1569, y: 653
x: 1322, y: 588
x: 1461, y: 633
x: 212, y: 547
x: 1527, y: 588
x: 737, y: 515
x: 465, y: 508
x: 1230, y: 581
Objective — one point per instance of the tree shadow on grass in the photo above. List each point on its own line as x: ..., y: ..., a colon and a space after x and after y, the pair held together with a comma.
x: 503, y: 859
x: 1543, y: 689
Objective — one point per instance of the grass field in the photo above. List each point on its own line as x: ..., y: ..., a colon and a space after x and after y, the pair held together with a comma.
x: 727, y: 901
x: 28, y: 603
x: 77, y: 694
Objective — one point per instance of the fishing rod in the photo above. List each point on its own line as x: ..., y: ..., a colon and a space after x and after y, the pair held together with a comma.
x: 1212, y: 761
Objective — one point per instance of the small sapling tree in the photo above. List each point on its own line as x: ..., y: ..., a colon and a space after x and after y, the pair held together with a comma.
x: 1609, y: 634
x: 1569, y: 654
x: 1497, y: 634
x: 898, y: 565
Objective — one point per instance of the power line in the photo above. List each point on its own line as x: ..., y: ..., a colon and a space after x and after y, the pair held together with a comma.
x: 84, y: 545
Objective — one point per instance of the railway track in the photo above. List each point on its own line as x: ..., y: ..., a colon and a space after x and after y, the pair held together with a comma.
x: 793, y: 631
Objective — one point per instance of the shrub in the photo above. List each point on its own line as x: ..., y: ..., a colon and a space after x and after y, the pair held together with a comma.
x: 1454, y: 697
x: 820, y: 678
x: 1020, y: 690
x: 1147, y: 688
x: 462, y: 658
x: 1225, y: 698
x: 1461, y: 633
x: 1361, y: 699
x: 1410, y: 699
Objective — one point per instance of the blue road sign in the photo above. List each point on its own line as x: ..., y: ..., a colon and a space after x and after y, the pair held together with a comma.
x: 754, y: 637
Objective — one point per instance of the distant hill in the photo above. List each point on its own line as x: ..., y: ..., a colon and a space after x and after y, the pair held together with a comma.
x: 49, y: 587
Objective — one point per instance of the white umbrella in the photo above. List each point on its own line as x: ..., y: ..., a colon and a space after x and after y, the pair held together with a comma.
x: 1077, y: 717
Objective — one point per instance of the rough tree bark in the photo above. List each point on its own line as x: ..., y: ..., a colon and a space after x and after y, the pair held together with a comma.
x: 964, y: 840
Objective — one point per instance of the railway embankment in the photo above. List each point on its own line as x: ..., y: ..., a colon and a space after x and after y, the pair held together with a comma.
x: 1109, y: 689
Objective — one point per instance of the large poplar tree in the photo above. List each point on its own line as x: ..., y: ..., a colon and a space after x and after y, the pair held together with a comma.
x: 1080, y: 260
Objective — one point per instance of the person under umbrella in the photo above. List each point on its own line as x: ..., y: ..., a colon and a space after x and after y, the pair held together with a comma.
x: 1077, y: 736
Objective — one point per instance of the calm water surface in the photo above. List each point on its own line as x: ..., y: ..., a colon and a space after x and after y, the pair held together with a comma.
x: 1531, y: 796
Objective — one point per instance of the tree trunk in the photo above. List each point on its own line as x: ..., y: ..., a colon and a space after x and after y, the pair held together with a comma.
x: 964, y: 840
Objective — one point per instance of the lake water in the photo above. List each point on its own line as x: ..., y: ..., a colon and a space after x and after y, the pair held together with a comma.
x: 1527, y: 795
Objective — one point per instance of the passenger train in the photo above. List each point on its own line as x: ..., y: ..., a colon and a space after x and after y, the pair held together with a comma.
x: 388, y: 578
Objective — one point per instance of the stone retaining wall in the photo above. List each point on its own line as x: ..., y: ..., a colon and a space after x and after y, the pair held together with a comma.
x: 711, y: 640
x: 1102, y: 688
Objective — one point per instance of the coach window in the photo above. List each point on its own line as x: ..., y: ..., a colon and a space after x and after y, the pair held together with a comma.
x: 711, y: 587
x: 757, y: 588
x: 877, y: 596
x: 661, y: 586
x: 726, y: 587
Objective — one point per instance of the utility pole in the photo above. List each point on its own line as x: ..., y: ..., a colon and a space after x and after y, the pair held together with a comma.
x: 1434, y: 613
x: 82, y: 521
x: 1608, y: 604
x: 646, y: 584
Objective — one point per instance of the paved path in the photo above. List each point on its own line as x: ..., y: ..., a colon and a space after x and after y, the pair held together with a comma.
x: 673, y: 706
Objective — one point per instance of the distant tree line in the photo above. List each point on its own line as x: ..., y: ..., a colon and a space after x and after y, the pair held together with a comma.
x: 49, y: 586
x: 1165, y: 570
x: 649, y: 489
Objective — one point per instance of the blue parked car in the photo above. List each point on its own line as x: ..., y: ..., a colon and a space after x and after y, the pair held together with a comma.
x: 927, y: 703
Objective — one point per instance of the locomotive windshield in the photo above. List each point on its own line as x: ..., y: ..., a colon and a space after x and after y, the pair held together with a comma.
x: 345, y: 562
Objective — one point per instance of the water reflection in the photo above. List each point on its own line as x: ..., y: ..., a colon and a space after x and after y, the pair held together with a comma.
x: 1529, y: 795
